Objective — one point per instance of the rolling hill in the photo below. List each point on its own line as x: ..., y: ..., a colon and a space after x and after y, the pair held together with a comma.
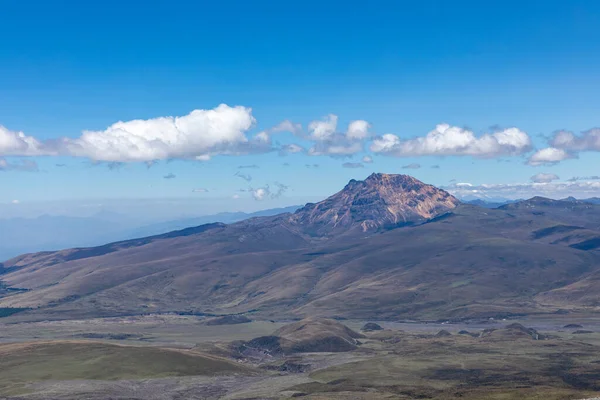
x: 387, y: 247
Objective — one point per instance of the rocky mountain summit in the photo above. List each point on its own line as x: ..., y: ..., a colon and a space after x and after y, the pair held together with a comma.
x: 380, y: 201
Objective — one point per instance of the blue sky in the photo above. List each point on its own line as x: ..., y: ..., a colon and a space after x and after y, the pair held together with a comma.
x: 402, y: 67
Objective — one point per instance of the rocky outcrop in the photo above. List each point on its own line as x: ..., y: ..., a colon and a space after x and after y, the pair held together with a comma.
x: 380, y: 201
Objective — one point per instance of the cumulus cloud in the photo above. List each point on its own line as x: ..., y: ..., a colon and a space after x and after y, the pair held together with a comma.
x: 170, y: 175
x: 201, y: 133
x: 352, y: 165
x: 200, y: 190
x: 227, y: 130
x: 21, y: 165
x: 266, y: 192
x: 548, y: 156
x: 358, y: 130
x: 245, y: 177
x: 556, y: 190
x: 14, y: 143
x: 328, y: 141
x: 588, y: 140
x: 412, y: 166
x: 564, y: 145
x: 446, y: 140
x: 544, y: 178
x: 323, y: 129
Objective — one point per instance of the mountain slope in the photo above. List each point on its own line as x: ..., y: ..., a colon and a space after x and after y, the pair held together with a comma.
x: 465, y: 261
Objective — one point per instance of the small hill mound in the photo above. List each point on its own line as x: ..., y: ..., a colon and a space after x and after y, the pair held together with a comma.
x: 371, y: 327
x: 443, y: 333
x: 317, y: 335
x: 514, y: 331
x: 228, y: 320
x: 573, y: 326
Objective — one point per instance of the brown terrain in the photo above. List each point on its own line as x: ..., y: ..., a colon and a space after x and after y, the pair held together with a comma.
x: 387, y: 247
x: 236, y: 311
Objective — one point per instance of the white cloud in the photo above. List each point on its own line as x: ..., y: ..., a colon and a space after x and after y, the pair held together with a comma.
x: 200, y: 190
x: 15, y: 202
x: 18, y: 144
x: 555, y: 190
x: 235, y: 196
x: 565, y: 145
x: 260, y: 193
x: 199, y: 134
x: 446, y: 140
x: 548, y: 156
x: 544, y: 178
x: 367, y: 159
x: 266, y: 192
x: 324, y: 129
x: 329, y: 142
x: 358, y: 130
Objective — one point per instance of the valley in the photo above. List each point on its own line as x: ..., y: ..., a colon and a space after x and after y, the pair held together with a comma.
x: 173, y: 356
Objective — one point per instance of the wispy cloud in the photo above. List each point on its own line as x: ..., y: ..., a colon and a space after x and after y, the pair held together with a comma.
x: 245, y: 177
x: 20, y: 165
x: 170, y: 175
x: 412, y: 166
x: 200, y: 190
x: 252, y: 166
x: 584, y: 178
x: 352, y: 165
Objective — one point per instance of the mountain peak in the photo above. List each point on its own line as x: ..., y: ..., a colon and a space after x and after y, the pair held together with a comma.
x: 380, y: 201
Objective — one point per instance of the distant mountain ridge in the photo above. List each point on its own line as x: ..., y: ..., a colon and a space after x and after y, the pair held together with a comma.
x: 48, y: 233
